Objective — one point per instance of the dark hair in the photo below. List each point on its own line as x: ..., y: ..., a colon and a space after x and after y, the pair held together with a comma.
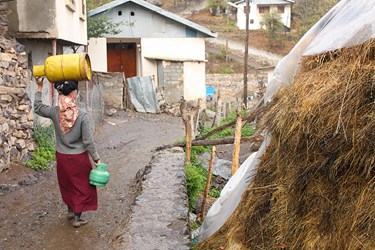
x: 66, y: 86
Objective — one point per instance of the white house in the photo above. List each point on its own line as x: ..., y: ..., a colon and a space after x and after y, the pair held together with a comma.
x: 45, y: 28
x: 258, y: 8
x: 153, y: 42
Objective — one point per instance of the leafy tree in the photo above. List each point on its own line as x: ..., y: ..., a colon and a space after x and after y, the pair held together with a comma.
x: 271, y: 22
x: 215, y: 5
x: 308, y: 12
x: 92, y: 4
x: 100, y: 26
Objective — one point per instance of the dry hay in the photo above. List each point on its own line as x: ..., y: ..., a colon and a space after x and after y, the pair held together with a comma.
x: 315, y: 185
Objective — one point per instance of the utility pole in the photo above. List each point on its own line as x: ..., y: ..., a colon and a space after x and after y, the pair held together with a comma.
x: 246, y: 56
x: 226, y: 37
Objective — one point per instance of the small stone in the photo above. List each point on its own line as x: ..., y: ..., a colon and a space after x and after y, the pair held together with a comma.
x: 20, y: 134
x: 6, y: 98
x: 20, y: 144
x: 23, y: 107
x: 6, y: 57
x: 31, y: 147
x: 5, y: 128
x: 12, y: 140
x: 13, y: 152
x: 23, y: 119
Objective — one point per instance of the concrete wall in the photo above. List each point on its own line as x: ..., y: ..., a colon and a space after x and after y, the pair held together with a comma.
x: 173, y: 87
x: 33, y: 16
x: 112, y: 85
x: 54, y: 19
x: 97, y: 50
x: 257, y: 17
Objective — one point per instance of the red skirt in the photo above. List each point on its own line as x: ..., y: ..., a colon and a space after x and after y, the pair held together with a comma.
x: 73, y: 172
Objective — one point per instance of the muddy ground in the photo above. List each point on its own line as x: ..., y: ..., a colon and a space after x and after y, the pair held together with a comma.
x: 32, y: 214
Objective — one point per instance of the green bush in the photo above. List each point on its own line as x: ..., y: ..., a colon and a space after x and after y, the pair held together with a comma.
x: 215, y: 192
x: 45, y: 151
x: 196, y: 177
x: 226, y: 69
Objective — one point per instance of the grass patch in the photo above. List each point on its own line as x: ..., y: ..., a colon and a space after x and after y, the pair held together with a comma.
x: 45, y: 152
x: 215, y: 192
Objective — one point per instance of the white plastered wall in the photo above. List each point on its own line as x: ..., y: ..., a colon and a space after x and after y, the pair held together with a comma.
x: 71, y: 21
x: 97, y: 50
x: 172, y: 49
x: 194, y: 80
x: 189, y: 50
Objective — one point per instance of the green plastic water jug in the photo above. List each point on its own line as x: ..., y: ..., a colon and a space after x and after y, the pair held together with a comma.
x: 99, y: 176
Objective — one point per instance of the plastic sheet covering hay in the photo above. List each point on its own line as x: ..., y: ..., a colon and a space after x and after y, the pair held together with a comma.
x: 315, y: 185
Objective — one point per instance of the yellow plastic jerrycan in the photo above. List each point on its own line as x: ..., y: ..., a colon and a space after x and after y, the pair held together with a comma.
x: 65, y: 67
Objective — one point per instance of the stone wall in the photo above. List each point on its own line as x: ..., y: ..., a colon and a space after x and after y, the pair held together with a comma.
x: 231, y: 85
x: 16, y: 120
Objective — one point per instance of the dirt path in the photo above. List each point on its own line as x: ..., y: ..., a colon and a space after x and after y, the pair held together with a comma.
x: 239, y: 46
x: 33, y: 216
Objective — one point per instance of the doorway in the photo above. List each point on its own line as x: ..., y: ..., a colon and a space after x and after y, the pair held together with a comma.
x: 122, y: 57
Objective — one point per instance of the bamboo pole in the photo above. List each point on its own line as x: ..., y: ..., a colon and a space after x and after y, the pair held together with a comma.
x: 237, y: 141
x: 230, y: 140
x: 208, y: 184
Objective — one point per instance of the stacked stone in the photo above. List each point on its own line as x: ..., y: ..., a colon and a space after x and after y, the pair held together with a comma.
x: 16, y: 119
x: 164, y: 106
x: 231, y: 85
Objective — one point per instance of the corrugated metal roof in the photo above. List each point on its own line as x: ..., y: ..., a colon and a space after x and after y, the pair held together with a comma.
x: 267, y: 1
x: 156, y: 9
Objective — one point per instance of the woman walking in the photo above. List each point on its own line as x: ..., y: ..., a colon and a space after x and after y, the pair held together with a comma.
x: 74, y: 144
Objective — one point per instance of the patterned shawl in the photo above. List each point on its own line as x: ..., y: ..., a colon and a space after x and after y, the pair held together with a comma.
x: 68, y: 111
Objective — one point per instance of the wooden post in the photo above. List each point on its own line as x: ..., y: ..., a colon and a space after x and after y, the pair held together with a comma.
x: 218, y: 98
x: 246, y: 56
x: 237, y: 140
x: 208, y: 184
x: 52, y: 91
x: 186, y: 120
x: 200, y: 107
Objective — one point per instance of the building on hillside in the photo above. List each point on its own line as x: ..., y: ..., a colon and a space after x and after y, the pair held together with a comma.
x: 153, y: 42
x: 45, y: 27
x: 260, y: 7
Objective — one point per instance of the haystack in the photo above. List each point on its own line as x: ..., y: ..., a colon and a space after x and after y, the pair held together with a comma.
x: 315, y: 185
